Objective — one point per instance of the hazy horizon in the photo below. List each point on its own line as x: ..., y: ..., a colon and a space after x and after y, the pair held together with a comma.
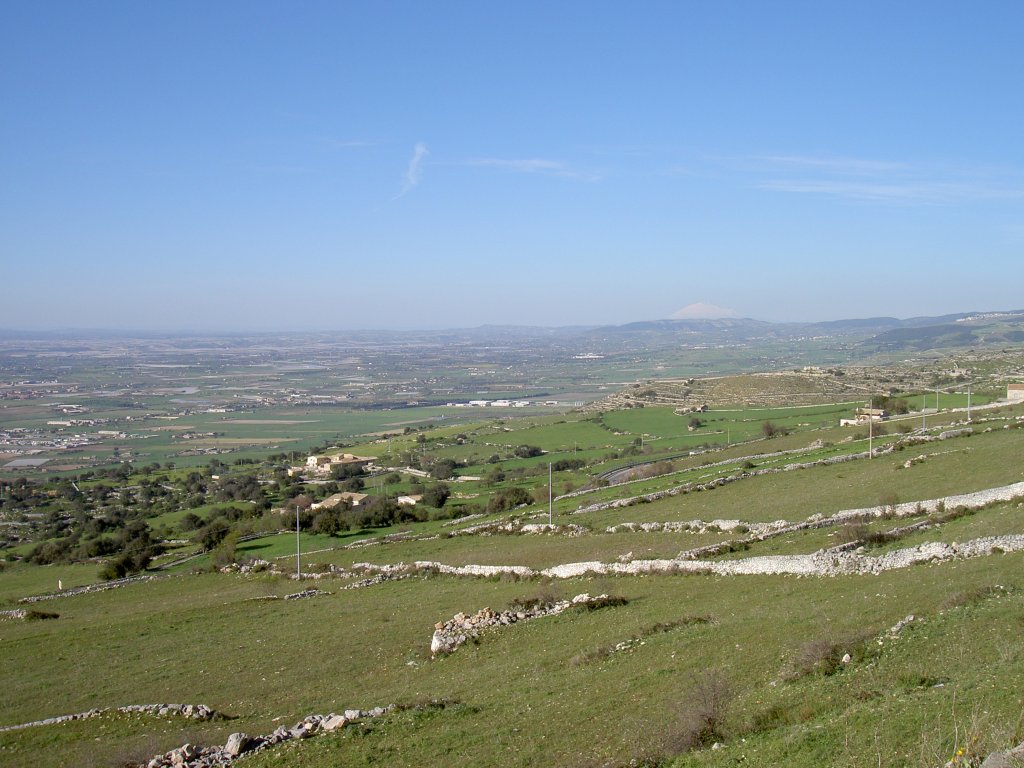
x: 214, y: 331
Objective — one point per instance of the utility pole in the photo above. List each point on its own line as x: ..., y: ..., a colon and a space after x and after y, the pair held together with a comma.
x: 871, y: 423
x: 551, y: 497
x: 298, y: 549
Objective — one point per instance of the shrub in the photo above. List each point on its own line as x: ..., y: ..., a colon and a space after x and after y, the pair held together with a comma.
x: 508, y: 498
x: 889, y: 500
x: 543, y: 598
x: 527, y: 451
x: 34, y: 615
x: 564, y: 465
x: 331, y: 521
x: 608, y: 601
x: 968, y: 597
x: 436, y: 495
x: 823, y: 655
x: 589, y: 657
x: 701, y: 718
x: 224, y: 552
x: 768, y: 719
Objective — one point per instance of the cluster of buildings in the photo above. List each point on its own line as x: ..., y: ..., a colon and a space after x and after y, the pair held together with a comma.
x: 865, y: 415
x: 322, y: 465
x: 355, y: 499
x: 499, y: 404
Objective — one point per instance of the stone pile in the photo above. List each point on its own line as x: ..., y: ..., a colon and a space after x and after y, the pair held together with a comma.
x: 449, y: 635
x: 190, y: 711
x: 238, y: 744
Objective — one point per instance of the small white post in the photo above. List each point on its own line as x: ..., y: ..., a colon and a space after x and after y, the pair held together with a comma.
x: 550, y: 495
x: 871, y: 422
x: 298, y: 571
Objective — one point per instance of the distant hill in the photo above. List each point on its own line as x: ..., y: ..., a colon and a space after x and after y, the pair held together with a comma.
x: 952, y: 331
x: 860, y: 336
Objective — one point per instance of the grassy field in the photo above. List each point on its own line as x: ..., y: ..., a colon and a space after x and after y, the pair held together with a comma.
x: 554, y: 691
x: 201, y: 639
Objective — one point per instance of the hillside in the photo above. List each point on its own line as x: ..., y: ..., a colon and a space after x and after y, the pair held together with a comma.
x: 790, y: 600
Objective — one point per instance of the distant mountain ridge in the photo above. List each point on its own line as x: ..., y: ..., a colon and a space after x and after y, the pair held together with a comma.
x: 882, y: 334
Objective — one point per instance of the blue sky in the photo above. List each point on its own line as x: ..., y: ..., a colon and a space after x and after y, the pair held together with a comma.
x: 280, y: 166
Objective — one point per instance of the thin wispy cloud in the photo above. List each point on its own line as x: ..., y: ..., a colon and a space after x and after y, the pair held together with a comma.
x: 879, y: 181
x: 849, y: 165
x: 414, y: 171
x: 350, y: 143
x: 535, y: 165
x: 936, y: 192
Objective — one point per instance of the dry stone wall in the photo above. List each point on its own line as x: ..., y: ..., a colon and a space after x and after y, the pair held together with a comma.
x: 451, y: 634
x: 240, y: 744
x: 190, y: 711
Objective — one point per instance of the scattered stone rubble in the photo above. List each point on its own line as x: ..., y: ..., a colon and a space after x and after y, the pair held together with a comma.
x: 17, y: 613
x: 190, y: 711
x: 449, y: 635
x: 238, y: 744
x: 895, y: 629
